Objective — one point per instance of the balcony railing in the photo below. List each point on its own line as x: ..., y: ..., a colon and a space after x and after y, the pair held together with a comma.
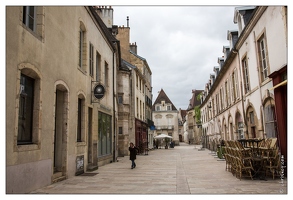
x: 169, y: 127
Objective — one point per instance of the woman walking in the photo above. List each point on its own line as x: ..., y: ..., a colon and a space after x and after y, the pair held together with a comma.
x: 133, y: 150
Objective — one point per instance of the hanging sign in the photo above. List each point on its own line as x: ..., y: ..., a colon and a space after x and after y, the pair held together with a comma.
x: 99, y: 91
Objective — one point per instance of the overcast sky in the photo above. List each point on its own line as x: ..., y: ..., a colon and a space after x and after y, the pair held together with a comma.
x: 180, y: 43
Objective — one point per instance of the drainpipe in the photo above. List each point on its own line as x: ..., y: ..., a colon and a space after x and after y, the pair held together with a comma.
x: 114, y: 111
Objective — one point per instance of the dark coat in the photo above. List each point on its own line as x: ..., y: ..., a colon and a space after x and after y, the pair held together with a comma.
x: 133, y: 152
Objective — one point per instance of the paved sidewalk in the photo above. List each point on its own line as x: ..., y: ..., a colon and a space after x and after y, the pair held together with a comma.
x: 180, y: 170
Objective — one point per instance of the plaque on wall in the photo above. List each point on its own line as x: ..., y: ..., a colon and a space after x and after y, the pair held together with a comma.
x: 79, y: 165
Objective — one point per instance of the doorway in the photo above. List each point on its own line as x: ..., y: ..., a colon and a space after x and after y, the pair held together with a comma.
x: 90, y: 138
x: 60, y: 132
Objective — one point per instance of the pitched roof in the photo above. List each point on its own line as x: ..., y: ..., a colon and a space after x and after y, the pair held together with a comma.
x: 126, y: 65
x: 183, y: 113
x: 163, y: 97
x: 137, y: 55
x: 194, y: 101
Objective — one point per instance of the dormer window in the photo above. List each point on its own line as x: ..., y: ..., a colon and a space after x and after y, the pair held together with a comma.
x: 158, y: 108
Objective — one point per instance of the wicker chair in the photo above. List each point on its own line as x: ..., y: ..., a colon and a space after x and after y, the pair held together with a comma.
x: 274, y: 163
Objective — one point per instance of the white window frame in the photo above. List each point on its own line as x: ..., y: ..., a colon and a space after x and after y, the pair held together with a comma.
x: 27, y: 17
x: 264, y: 68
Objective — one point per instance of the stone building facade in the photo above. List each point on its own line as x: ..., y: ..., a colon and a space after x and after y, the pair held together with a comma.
x: 193, y: 123
x: 135, y: 118
x: 239, y: 101
x: 165, y: 116
x: 61, y: 66
x: 181, y: 128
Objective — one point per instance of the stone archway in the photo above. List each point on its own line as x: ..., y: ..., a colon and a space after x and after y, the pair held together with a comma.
x: 60, y: 130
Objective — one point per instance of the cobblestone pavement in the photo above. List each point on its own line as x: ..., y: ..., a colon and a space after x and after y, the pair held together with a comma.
x: 181, y: 170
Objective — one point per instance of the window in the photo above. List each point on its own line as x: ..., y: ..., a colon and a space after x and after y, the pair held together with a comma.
x: 251, y: 115
x: 158, y: 108
x: 79, y: 120
x: 140, y: 109
x: 106, y: 74
x: 81, y: 41
x: 213, y: 107
x: 169, y: 121
x: 245, y: 75
x: 263, y: 58
x: 217, y: 103
x: 91, y: 60
x: 120, y: 99
x: 236, y: 84
x: 98, y: 66
x: 29, y: 17
x: 120, y: 131
x: 25, y: 117
x: 32, y: 19
x: 227, y: 93
x: 240, y: 130
x: 233, y: 92
x: 104, y: 134
x: 168, y: 107
x: 137, y: 108
x: 143, y: 110
x: 221, y: 99
x: 270, y: 121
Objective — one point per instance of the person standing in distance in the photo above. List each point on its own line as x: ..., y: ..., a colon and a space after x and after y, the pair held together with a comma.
x: 132, y: 156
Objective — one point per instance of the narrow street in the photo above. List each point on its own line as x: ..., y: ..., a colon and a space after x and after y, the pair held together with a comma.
x: 181, y: 170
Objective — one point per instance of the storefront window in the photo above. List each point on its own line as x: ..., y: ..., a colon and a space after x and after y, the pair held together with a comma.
x: 104, y: 134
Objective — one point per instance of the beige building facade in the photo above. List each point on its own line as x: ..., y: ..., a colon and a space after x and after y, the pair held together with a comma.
x: 165, y: 116
x: 135, y: 118
x: 61, y: 65
x: 239, y: 101
x: 194, y: 131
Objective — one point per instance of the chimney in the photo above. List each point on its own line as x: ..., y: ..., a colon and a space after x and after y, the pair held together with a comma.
x: 106, y: 14
x: 133, y: 47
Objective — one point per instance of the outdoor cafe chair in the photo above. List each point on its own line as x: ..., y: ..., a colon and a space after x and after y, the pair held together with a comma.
x: 265, y: 150
x: 244, y: 164
x: 273, y: 165
x: 232, y: 162
x: 247, y: 152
